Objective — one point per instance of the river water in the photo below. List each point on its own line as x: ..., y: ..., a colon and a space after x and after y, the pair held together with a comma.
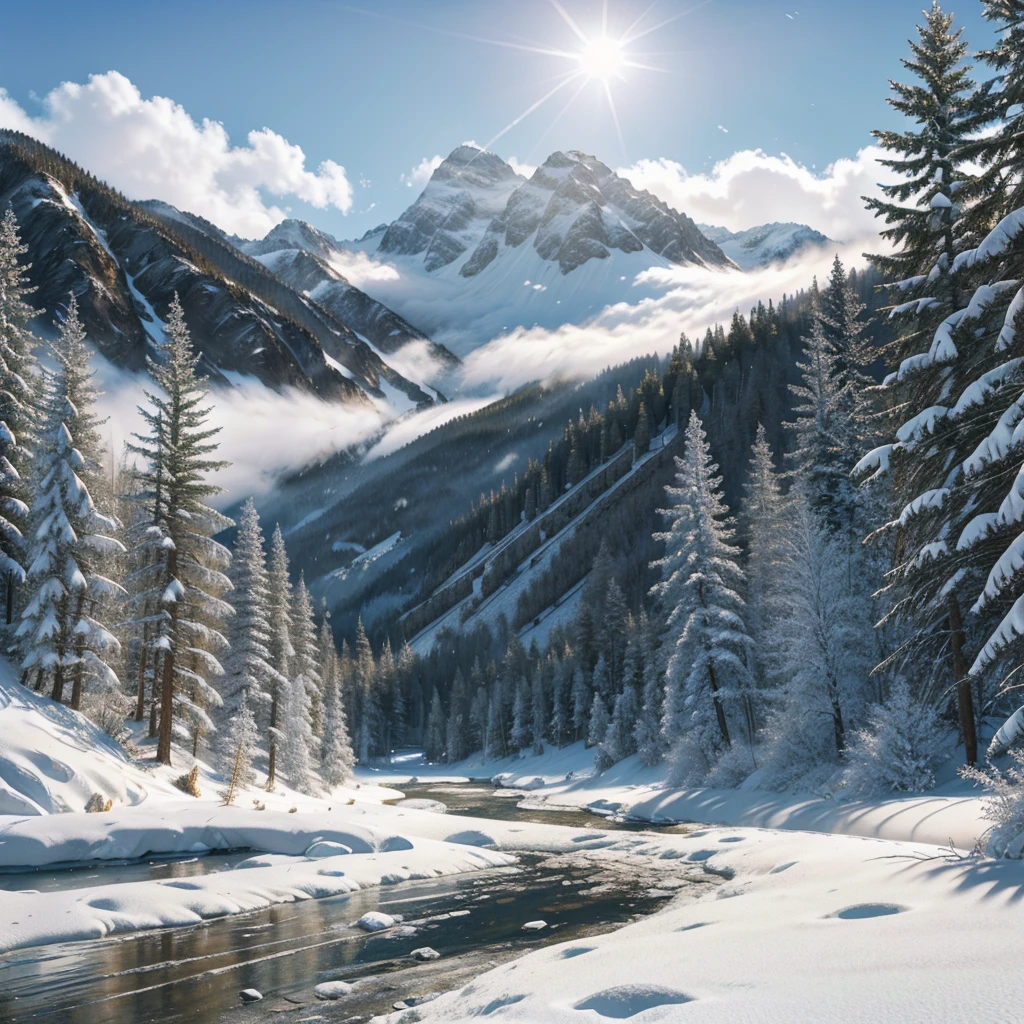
x: 195, y: 973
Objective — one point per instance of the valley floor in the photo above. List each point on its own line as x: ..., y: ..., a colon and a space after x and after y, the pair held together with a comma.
x: 880, y: 920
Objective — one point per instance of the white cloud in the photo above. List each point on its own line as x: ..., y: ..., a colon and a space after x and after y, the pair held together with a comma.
x: 750, y: 188
x: 420, y: 174
x: 526, y: 170
x: 689, y: 299
x: 153, y: 149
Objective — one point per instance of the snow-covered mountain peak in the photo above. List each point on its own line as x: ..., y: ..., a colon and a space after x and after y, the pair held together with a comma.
x: 766, y: 243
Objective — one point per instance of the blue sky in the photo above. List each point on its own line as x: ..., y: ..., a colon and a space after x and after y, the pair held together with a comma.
x: 378, y: 86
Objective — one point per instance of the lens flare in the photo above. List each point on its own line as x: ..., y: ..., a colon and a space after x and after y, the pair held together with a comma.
x: 602, y: 58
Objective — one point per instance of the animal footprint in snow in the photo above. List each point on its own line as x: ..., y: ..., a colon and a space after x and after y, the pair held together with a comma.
x: 629, y: 1000
x: 860, y: 911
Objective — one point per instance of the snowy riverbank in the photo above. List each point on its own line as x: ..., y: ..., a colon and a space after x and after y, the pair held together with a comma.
x: 953, y: 813
x: 809, y: 928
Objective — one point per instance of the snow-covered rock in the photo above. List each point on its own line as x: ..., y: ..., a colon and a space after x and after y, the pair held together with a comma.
x: 425, y: 953
x: 332, y: 990
x: 250, y: 995
x: 326, y: 848
x: 375, y: 921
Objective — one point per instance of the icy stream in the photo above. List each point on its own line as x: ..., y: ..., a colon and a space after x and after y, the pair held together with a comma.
x: 196, y: 973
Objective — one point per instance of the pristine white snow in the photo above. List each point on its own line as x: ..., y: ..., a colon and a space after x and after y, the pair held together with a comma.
x: 291, y: 867
x: 807, y: 928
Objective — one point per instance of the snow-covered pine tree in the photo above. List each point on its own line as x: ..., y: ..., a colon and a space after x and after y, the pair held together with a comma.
x: 478, y: 712
x: 297, y: 743
x: 365, y: 685
x: 455, y: 730
x: 561, y: 713
x: 764, y: 517
x: 521, y: 734
x: 179, y: 580
x: 706, y: 677
x: 336, y: 756
x: 820, y: 651
x: 73, y: 543
x: 386, y: 684
x: 598, y: 721
x: 279, y: 614
x: 19, y: 399
x: 618, y: 742
x: 403, y: 678
x: 538, y: 713
x: 992, y: 403
x: 248, y: 674
x: 433, y: 740
x: 237, y: 749
x: 933, y: 350
x: 304, y: 661
x: 647, y: 733
x: 825, y: 446
x: 581, y: 697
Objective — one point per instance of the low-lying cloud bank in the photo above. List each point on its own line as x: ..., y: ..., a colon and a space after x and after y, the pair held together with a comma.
x: 691, y: 299
x: 153, y: 149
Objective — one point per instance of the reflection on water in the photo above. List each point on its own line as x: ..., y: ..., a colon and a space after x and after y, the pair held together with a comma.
x: 111, y: 872
x: 195, y: 974
x: 189, y: 974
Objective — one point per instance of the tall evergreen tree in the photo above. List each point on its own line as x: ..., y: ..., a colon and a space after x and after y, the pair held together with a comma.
x: 279, y: 613
x: 248, y: 673
x: 932, y: 353
x: 706, y: 669
x: 305, y: 661
x: 73, y: 543
x: 179, y: 579
x: 336, y: 756
x: 18, y: 406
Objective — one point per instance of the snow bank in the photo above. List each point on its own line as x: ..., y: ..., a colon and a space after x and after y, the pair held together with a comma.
x: 53, y: 759
x: 629, y: 790
x: 32, y: 919
x: 809, y: 928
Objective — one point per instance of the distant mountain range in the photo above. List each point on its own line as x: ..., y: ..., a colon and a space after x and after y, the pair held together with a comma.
x: 480, y: 252
x: 125, y: 261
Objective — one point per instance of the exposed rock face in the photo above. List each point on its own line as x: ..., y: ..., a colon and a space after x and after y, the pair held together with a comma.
x: 125, y: 261
x: 765, y: 244
x: 464, y: 193
x: 306, y: 258
x: 574, y: 209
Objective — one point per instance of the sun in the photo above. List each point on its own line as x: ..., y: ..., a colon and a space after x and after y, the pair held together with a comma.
x: 602, y: 58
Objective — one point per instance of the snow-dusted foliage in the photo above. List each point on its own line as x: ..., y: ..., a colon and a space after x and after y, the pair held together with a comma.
x: 336, y: 756
x: 178, y: 582
x: 18, y: 405
x: 304, y: 660
x: 898, y: 750
x: 1004, y: 807
x: 279, y: 614
x: 706, y: 678
x: 72, y: 542
x: 248, y: 673
x: 820, y: 654
x: 297, y: 743
x: 237, y: 749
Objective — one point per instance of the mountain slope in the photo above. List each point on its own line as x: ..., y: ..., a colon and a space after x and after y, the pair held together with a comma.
x: 765, y: 244
x: 125, y: 261
x: 482, y: 250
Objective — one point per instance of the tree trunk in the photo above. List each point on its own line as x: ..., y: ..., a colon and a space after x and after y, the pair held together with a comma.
x: 723, y: 725
x: 10, y: 598
x: 964, y: 698
x: 837, y: 720
x: 140, y: 699
x: 57, y: 693
x: 154, y: 695
x: 163, y: 745
x: 79, y: 680
x: 272, y: 758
